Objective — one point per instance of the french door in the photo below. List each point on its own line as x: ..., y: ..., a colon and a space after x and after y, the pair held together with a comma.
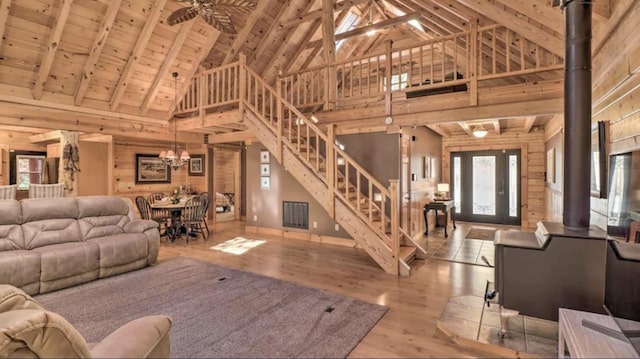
x: 485, y: 186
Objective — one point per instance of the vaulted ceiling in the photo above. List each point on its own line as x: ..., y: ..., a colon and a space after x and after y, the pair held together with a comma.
x: 111, y: 60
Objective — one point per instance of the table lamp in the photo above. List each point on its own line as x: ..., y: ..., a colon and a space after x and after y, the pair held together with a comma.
x: 442, y: 190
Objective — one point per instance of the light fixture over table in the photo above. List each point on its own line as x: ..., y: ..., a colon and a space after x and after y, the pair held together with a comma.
x: 479, y: 131
x: 170, y: 157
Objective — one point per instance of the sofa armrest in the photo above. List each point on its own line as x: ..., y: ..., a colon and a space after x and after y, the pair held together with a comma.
x: 140, y: 225
x: 146, y: 337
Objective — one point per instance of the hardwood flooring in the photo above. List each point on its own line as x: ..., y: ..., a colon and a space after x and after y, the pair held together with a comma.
x: 415, y: 303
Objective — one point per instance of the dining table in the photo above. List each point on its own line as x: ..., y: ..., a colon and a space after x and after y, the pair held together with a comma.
x: 176, y: 215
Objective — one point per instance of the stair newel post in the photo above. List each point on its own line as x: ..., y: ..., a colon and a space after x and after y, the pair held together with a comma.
x: 242, y: 86
x: 475, y: 55
x: 279, y: 119
x: 395, y: 221
x: 331, y: 169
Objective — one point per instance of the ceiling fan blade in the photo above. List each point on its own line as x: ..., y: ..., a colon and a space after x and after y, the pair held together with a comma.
x: 235, y: 6
x: 180, y: 15
x: 220, y: 21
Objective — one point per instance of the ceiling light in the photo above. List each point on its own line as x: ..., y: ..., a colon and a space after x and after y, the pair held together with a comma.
x: 480, y: 132
x: 372, y: 31
x: 170, y: 157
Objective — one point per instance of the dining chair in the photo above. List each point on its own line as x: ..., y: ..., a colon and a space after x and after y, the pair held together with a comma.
x: 192, y: 215
x: 46, y: 190
x: 8, y: 192
x: 158, y: 212
x: 207, y: 197
x: 147, y: 213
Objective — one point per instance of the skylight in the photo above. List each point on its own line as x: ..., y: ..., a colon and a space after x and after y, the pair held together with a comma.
x: 349, y: 23
x: 398, y: 13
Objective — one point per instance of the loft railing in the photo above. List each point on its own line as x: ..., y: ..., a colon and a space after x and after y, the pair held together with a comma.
x: 441, y: 62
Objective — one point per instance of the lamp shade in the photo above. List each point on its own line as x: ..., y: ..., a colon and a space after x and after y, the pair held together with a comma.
x: 163, y: 154
x: 480, y: 132
x: 184, y: 155
x: 442, y: 187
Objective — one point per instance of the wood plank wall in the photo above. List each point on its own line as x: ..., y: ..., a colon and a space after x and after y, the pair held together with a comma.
x: 532, y: 170
x: 553, y: 137
x: 124, y: 170
x: 224, y: 170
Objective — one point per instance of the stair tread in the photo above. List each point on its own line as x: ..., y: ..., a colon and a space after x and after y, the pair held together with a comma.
x: 406, y: 252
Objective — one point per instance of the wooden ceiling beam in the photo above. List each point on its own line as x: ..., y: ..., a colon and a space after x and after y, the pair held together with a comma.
x: 283, y: 44
x: 244, y: 33
x: 5, y: 6
x: 301, y: 47
x: 52, y: 48
x: 363, y: 30
x: 96, y: 50
x: 317, y: 14
x: 329, y: 37
x: 136, y: 55
x: 179, y: 41
x: 554, y: 44
x: 466, y: 128
x: 237, y: 136
x: 547, y: 16
x: 528, y: 123
x: 210, y: 120
x: 51, y: 136
x: 601, y: 9
x: 264, y: 44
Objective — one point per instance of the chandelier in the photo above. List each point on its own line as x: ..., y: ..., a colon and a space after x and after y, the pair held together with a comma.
x: 170, y: 157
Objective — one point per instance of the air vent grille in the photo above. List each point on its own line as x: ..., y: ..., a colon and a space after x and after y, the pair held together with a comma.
x: 295, y: 214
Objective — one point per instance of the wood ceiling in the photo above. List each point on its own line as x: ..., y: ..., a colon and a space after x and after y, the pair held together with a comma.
x: 107, y: 64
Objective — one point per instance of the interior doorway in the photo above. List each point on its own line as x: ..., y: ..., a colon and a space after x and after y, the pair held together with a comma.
x: 486, y: 186
x: 227, y: 180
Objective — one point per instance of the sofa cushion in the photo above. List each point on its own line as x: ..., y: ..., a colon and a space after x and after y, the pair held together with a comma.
x: 67, y: 259
x: 96, y: 206
x: 121, y: 248
x: 12, y: 298
x: 45, y: 334
x: 11, y: 237
x: 50, y: 231
x: 21, y: 269
x: 36, y: 209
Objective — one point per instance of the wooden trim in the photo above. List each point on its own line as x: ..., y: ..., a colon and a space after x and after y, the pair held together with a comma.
x: 305, y: 236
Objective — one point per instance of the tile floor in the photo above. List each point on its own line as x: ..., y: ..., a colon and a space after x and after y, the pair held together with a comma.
x: 469, y: 317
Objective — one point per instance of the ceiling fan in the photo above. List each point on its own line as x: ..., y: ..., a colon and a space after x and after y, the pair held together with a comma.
x: 215, y: 12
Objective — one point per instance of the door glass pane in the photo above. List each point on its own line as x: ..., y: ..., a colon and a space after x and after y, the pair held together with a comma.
x: 457, y: 184
x: 513, y: 186
x: 484, y: 185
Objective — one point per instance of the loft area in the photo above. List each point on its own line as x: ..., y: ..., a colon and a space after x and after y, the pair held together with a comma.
x: 441, y: 90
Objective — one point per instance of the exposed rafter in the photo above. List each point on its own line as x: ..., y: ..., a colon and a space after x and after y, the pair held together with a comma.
x: 554, y: 44
x: 185, y: 29
x: 496, y: 126
x: 363, y: 30
x: 549, y: 17
x: 138, y: 50
x: 244, y: 33
x: 439, y: 129
x: 602, y: 9
x: 52, y: 47
x: 5, y: 6
x: 317, y: 14
x: 466, y: 128
x: 310, y: 32
x: 264, y: 44
x: 96, y: 50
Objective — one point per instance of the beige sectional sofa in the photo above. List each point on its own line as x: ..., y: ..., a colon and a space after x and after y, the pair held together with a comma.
x: 52, y: 243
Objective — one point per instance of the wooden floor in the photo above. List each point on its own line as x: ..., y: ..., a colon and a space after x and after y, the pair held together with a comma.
x: 415, y: 303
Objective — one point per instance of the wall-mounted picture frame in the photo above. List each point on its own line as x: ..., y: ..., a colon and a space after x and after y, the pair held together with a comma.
x: 265, y: 182
x: 151, y: 169
x: 551, y: 165
x: 196, y: 165
x: 264, y: 156
x: 265, y: 169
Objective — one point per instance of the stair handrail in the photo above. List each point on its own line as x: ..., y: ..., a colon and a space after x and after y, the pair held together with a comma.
x: 336, y: 151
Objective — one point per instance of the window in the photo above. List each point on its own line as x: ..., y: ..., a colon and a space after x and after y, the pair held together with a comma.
x: 397, y: 82
x: 28, y: 170
x: 349, y: 23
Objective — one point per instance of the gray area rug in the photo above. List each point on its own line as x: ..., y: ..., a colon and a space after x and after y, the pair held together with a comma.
x: 220, y: 312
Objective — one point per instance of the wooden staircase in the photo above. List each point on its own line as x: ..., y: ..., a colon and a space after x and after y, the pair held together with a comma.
x: 365, y: 208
